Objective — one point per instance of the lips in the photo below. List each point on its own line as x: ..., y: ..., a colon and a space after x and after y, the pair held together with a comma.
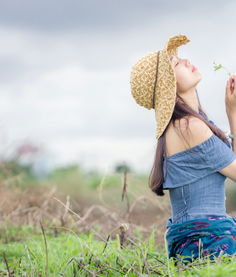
x: 193, y: 68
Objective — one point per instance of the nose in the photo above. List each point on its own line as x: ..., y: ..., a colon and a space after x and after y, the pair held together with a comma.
x: 188, y: 62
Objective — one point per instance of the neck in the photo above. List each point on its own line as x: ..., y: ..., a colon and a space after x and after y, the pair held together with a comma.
x: 190, y: 97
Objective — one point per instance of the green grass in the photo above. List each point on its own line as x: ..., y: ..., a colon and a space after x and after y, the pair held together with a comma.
x: 23, y: 251
x: 70, y: 254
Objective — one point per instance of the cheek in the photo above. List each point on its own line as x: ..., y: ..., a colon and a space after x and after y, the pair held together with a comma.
x: 183, y: 76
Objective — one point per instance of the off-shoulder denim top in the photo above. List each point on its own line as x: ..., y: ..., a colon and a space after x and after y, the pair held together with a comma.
x: 196, y: 188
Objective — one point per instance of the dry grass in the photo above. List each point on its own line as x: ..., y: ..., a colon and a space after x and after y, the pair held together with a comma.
x: 47, y: 204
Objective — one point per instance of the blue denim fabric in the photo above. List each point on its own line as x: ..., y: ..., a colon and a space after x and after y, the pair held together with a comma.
x: 196, y: 188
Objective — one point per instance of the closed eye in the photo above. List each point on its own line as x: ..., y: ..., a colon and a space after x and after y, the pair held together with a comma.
x: 177, y: 63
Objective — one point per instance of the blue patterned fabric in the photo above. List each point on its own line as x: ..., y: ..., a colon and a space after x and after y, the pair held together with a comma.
x: 203, y: 237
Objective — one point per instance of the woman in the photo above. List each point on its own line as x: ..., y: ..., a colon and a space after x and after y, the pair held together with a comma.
x: 193, y: 156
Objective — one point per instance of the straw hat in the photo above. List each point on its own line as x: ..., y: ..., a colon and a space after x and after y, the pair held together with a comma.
x: 153, y: 82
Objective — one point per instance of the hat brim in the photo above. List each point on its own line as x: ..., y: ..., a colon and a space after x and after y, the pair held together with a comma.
x: 165, y: 92
x: 166, y: 84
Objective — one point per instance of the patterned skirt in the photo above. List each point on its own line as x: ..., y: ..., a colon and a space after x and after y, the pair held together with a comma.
x: 211, y: 236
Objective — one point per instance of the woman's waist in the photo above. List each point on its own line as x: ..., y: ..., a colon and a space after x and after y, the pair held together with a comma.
x: 186, y: 216
x: 201, y: 224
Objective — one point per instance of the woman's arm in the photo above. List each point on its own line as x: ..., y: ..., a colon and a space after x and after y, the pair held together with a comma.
x: 230, y: 105
x: 232, y: 124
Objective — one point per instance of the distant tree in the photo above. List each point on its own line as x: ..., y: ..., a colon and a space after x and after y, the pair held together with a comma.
x: 121, y: 167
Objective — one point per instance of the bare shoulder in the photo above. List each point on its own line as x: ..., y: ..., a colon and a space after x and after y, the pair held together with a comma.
x: 194, y: 132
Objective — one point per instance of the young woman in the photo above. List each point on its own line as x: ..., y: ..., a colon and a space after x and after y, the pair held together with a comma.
x: 193, y: 156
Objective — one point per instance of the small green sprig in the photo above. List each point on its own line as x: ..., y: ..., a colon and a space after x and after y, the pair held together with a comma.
x: 219, y: 66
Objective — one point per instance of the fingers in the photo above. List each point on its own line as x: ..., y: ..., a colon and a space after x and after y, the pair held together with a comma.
x: 230, y: 86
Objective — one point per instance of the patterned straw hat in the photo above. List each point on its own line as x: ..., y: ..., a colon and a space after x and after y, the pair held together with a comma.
x: 153, y: 82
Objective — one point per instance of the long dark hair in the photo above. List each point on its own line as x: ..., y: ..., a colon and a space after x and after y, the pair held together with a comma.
x: 156, y: 177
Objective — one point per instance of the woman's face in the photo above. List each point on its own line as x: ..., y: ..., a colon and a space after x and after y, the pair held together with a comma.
x: 186, y: 78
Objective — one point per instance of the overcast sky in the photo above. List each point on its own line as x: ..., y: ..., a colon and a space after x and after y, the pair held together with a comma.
x: 65, y: 69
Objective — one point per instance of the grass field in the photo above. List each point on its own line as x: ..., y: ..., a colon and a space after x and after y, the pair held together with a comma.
x: 77, y: 224
x: 69, y: 254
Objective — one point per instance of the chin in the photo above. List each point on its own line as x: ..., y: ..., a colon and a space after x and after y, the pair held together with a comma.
x: 199, y: 76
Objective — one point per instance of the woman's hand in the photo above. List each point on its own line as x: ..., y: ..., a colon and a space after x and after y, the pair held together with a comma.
x: 230, y: 97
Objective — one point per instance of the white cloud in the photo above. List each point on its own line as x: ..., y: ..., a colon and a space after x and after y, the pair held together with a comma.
x: 70, y: 89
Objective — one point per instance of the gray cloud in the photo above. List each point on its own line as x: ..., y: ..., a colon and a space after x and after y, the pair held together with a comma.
x: 91, y: 15
x: 65, y: 65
